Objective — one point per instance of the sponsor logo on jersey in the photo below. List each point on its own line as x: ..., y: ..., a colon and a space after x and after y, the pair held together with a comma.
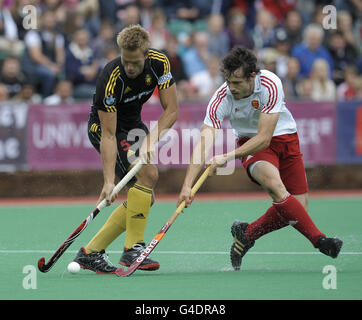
x: 138, y: 96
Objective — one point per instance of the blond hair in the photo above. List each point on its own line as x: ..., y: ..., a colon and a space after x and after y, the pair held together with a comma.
x: 134, y: 37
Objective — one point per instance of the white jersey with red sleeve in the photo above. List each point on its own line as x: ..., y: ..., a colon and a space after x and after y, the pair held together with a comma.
x: 243, y: 114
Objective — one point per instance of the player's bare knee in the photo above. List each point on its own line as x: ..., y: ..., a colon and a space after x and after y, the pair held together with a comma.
x: 275, y: 188
x: 148, y: 176
x: 153, y: 174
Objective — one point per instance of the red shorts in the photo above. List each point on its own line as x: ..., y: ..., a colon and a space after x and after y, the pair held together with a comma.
x: 284, y: 153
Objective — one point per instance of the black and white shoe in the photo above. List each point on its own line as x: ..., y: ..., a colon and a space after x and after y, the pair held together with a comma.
x: 330, y: 246
x: 240, y: 245
x: 95, y: 261
x: 130, y: 255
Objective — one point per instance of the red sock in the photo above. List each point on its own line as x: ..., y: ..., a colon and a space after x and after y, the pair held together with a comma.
x: 293, y: 211
x: 268, y: 222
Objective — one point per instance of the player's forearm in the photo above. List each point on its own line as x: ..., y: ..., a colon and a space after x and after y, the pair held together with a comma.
x: 108, y: 148
x: 168, y: 99
x: 202, y: 149
x: 191, y: 173
x: 165, y: 122
x: 253, y: 145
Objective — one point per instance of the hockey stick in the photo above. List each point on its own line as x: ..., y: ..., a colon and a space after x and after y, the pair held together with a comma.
x: 133, y: 267
x: 45, y: 267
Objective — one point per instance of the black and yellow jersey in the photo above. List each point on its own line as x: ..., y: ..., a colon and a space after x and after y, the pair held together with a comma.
x: 115, y: 92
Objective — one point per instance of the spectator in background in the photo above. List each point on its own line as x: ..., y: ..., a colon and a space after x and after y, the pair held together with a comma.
x: 282, y: 46
x: 81, y: 66
x: 18, y: 16
x: 343, y: 54
x: 268, y: 57
x: 9, y: 39
x: 318, y: 18
x: 208, y: 81
x: 110, y: 54
x: 236, y: 30
x: 293, y: 27
x: 11, y: 76
x: 158, y: 30
x: 130, y: 15
x: 352, y: 6
x: 279, y: 9
x: 187, y: 10
x: 218, y: 39
x: 248, y: 9
x: 311, y: 49
x: 4, y: 93
x: 222, y: 6
x: 147, y: 8
x: 89, y: 9
x: 103, y: 41
x: 196, y: 57
x: 74, y: 21
x: 348, y: 89
x: 120, y: 8
x: 305, y: 89
x: 193, y: 10
x: 306, y: 8
x: 345, y: 25
x: 63, y: 94
x: 177, y: 67
x: 27, y: 94
x: 59, y: 9
x: 291, y: 79
x: 45, y: 54
x: 108, y: 10
x: 169, y: 7
x: 264, y: 33
x: 324, y: 89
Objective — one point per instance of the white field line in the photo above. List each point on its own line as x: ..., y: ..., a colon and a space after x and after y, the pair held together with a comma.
x: 183, y: 252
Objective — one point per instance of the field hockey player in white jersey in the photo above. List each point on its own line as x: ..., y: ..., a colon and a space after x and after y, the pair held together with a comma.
x: 267, y: 145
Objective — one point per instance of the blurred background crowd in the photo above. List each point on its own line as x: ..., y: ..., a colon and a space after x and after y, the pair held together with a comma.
x: 58, y: 62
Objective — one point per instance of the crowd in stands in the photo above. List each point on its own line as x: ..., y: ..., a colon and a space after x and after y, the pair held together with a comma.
x: 58, y: 61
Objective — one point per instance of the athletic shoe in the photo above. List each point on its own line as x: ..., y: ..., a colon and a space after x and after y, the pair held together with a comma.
x: 130, y: 255
x: 329, y: 246
x: 95, y: 261
x: 240, y: 245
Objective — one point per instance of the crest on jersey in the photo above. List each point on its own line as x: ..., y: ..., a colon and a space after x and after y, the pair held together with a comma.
x: 109, y: 100
x: 148, y: 80
x: 255, y: 104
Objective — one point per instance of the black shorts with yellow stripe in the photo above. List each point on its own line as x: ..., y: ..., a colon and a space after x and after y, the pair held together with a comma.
x: 128, y: 144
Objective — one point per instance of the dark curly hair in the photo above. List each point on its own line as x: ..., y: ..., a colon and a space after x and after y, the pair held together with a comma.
x: 240, y: 57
